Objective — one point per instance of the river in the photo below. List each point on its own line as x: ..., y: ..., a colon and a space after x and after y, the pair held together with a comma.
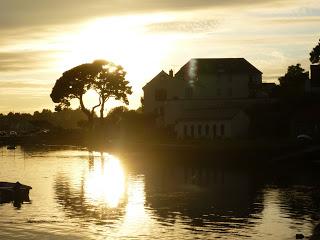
x: 90, y: 195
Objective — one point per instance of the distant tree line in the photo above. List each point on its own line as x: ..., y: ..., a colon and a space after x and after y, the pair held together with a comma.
x: 46, y: 119
x: 290, y: 113
x: 292, y: 84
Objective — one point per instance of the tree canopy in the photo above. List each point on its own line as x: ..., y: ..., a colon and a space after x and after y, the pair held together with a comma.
x: 111, y: 83
x: 315, y: 54
x: 293, y: 82
x: 104, y: 77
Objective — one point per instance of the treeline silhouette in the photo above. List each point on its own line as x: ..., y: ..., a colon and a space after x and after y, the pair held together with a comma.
x: 71, y: 127
x: 24, y: 123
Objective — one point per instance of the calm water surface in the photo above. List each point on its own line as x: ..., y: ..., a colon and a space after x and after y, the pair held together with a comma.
x: 81, y: 195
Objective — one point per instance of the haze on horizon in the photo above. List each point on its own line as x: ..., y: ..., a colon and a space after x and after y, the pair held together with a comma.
x: 40, y: 39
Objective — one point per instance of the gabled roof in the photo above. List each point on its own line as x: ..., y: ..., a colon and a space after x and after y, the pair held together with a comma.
x: 217, y: 65
x: 161, y: 76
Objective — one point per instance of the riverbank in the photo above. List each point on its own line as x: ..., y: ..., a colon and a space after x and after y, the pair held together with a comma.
x: 262, y: 153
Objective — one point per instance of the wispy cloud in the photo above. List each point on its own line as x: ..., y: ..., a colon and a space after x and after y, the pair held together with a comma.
x: 196, y: 26
x: 23, y: 85
x: 24, y: 60
x: 17, y: 13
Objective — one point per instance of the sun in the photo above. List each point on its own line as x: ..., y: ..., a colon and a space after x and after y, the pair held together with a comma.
x: 123, y: 40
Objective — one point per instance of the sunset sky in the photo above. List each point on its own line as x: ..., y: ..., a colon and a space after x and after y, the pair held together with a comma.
x: 40, y: 39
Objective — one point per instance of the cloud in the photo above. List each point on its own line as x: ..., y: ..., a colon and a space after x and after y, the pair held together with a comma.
x: 21, y: 13
x: 294, y: 20
x: 197, y: 26
x: 23, y: 60
x: 23, y: 85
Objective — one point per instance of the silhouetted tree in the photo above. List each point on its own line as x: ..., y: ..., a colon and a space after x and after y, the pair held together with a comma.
x: 111, y: 83
x: 106, y: 78
x: 116, y: 114
x: 73, y: 84
x: 315, y: 54
x: 293, y: 82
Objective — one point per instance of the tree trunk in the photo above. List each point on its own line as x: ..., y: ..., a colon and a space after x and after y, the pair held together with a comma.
x: 102, y: 109
x: 88, y: 113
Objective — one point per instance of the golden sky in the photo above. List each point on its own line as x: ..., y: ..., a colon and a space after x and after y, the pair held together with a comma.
x: 40, y: 39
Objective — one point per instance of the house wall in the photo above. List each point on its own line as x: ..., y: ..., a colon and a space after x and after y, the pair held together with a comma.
x: 151, y: 104
x: 211, y: 134
x: 211, y: 87
x: 240, y: 125
x: 214, y: 86
x: 237, y: 127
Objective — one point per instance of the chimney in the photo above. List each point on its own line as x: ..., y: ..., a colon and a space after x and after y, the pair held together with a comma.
x: 171, y: 73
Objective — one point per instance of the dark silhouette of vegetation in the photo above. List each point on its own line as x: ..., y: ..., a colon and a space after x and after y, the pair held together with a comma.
x: 25, y: 123
x: 293, y: 82
x: 106, y: 78
x: 315, y: 54
x: 111, y: 83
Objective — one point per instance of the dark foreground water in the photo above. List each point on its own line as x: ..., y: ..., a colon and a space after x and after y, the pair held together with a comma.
x: 82, y: 195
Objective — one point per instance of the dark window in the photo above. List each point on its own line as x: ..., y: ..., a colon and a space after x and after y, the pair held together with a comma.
x: 218, y: 78
x: 188, y: 92
x: 160, y: 95
x: 161, y: 111
x: 185, y: 130
x: 192, y: 131
x: 222, y: 130
x: 214, y: 130
x: 230, y: 92
x: 207, y: 130
x: 218, y: 92
x: 230, y: 78
x: 199, y: 130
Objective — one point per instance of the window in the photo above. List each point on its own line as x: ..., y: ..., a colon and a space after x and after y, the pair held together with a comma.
x: 218, y: 78
x: 207, y: 130
x: 192, y: 131
x: 214, y: 130
x: 230, y: 92
x: 199, y: 130
x: 161, y: 111
x: 230, y: 78
x: 222, y: 129
x: 185, y: 130
x: 188, y: 92
x: 218, y: 92
x: 160, y: 94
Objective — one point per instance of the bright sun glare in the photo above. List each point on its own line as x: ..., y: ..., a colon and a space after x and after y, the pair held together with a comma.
x: 106, y: 182
x: 123, y: 40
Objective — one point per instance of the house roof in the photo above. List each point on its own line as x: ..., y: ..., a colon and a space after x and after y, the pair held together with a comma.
x: 160, y: 76
x: 217, y: 65
x: 209, y: 114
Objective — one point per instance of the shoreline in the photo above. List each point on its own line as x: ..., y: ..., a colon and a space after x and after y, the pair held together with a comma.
x: 242, y: 153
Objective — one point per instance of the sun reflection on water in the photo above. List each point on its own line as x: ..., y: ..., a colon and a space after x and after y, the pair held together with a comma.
x: 106, y: 182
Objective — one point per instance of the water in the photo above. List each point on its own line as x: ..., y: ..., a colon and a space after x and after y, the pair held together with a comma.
x: 82, y: 195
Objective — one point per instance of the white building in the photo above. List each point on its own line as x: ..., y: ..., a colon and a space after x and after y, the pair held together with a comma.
x: 205, y: 92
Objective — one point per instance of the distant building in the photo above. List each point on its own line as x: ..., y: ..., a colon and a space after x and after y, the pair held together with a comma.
x: 268, y: 89
x: 205, y: 93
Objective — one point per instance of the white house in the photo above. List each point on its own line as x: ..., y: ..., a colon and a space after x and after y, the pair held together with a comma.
x: 212, y: 123
x: 204, y: 90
